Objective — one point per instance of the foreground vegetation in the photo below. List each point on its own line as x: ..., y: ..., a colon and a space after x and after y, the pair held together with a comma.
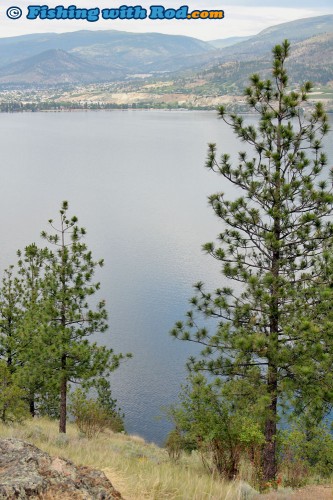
x: 137, y: 469
x: 140, y: 470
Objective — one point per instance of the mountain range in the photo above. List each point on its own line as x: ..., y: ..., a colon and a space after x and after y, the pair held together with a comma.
x: 100, y: 56
x: 92, y: 56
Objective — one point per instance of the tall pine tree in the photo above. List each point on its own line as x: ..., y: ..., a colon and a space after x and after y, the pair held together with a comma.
x: 32, y: 328
x: 67, y: 288
x: 272, y: 235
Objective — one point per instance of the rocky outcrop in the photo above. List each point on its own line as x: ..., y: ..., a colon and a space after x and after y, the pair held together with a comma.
x: 27, y: 472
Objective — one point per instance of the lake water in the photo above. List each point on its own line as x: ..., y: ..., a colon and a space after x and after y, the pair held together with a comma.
x: 137, y: 182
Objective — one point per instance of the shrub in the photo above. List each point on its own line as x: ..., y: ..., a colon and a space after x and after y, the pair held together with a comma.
x: 91, y: 417
x: 109, y: 404
x: 306, y: 450
x: 62, y: 440
x: 174, y: 444
x: 206, y: 421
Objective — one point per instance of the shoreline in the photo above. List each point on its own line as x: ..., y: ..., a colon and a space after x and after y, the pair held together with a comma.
x: 164, y: 110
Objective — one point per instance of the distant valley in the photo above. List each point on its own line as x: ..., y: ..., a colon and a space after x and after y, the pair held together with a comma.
x: 158, y: 70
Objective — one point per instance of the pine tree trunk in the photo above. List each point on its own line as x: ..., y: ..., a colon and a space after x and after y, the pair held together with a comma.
x: 63, y: 382
x: 269, y: 453
x: 63, y: 397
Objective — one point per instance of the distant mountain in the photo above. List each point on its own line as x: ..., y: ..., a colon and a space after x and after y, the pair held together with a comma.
x: 242, y: 58
x: 315, y: 50
x: 310, y: 59
x: 261, y: 44
x: 54, y: 67
x: 98, y: 56
x: 133, y: 52
x: 227, y: 42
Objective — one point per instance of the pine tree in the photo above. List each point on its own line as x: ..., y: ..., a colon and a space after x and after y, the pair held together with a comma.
x: 272, y: 235
x: 21, y: 323
x: 69, y: 270
x: 32, y: 328
x: 10, y: 318
x: 12, y: 405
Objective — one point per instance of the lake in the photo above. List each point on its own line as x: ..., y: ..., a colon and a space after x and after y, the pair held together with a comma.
x: 137, y: 182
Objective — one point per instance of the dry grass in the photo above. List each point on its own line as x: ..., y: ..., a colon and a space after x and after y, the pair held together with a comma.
x: 137, y: 469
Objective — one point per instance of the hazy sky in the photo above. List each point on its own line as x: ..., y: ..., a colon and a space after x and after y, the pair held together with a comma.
x: 241, y: 17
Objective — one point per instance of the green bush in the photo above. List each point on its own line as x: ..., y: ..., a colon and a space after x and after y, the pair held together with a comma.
x: 91, y: 417
x: 206, y: 421
x: 175, y: 444
x: 305, y: 450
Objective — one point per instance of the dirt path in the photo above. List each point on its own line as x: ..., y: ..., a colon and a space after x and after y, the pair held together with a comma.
x: 307, y: 493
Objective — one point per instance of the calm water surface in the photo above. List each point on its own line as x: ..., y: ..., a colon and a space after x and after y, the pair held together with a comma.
x: 138, y: 184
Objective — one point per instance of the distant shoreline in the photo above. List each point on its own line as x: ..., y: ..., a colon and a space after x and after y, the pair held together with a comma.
x: 81, y: 110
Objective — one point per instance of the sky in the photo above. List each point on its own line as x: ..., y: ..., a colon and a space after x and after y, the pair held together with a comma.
x: 242, y: 18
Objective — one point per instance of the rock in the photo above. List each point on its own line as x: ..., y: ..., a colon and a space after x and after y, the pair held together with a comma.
x: 28, y: 472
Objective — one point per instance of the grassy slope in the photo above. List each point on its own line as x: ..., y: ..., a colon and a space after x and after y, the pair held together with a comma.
x: 137, y: 469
